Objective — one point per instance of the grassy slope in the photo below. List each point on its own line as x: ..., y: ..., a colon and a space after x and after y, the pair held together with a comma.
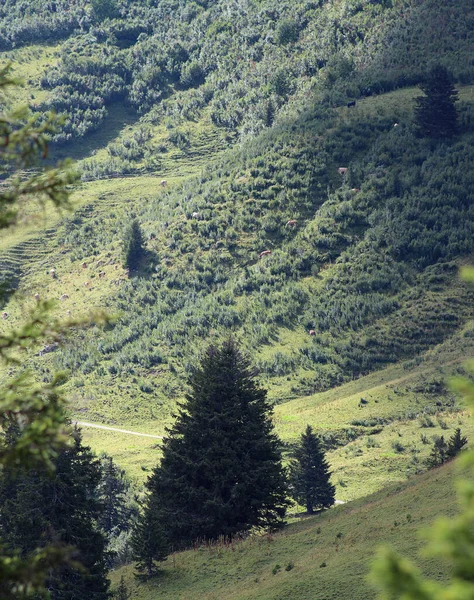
x: 361, y: 465
x: 344, y: 538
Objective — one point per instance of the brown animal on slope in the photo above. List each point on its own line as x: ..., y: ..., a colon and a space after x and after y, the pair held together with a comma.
x: 64, y: 297
x: 84, y: 265
x: 102, y: 274
x: 52, y: 273
x: 4, y: 315
x: 342, y: 170
x: 265, y: 253
x: 312, y: 332
x: 163, y: 183
x: 37, y: 297
x: 292, y: 223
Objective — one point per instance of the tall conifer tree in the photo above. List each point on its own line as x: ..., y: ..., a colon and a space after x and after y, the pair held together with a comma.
x: 221, y: 471
x: 435, y: 112
x: 39, y: 508
x: 134, y: 246
x: 309, y: 474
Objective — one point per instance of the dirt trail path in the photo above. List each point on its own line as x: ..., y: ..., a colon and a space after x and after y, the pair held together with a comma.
x: 127, y: 431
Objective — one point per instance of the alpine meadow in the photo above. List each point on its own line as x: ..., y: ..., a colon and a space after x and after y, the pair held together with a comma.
x: 237, y: 333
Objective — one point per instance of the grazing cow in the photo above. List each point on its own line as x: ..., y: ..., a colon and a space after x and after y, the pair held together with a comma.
x: 355, y: 190
x: 52, y: 273
x: 163, y: 183
x: 351, y: 104
x: 102, y: 274
x: 87, y: 283
x: 342, y: 170
x: 4, y: 315
x: 37, y: 297
x: 64, y: 297
x: 292, y: 223
x: 84, y: 265
x: 195, y: 215
x: 312, y: 332
x: 395, y: 124
x: 100, y: 263
x: 265, y: 253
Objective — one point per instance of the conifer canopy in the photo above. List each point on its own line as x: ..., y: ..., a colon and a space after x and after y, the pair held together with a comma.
x: 221, y: 472
x: 309, y: 474
x: 435, y: 112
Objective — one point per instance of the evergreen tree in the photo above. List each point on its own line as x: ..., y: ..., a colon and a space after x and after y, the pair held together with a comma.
x: 455, y: 444
x: 221, y: 471
x: 134, y: 246
x: 120, y: 511
x: 435, y: 112
x: 438, y: 454
x: 115, y: 495
x: 149, y: 542
x: 122, y: 592
x: 39, y: 508
x: 309, y: 474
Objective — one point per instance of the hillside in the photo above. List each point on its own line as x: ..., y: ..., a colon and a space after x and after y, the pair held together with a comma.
x: 323, y: 557
x: 241, y: 108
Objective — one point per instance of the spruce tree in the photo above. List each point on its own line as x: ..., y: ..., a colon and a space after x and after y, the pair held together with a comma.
x: 149, y: 542
x: 438, y: 453
x: 309, y: 474
x: 122, y: 592
x: 221, y: 472
x: 134, y: 246
x: 455, y: 444
x: 39, y: 508
x: 435, y: 112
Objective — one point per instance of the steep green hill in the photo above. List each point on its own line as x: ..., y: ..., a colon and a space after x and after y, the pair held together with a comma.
x: 221, y: 126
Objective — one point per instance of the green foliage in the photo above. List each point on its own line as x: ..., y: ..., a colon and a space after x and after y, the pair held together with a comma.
x: 122, y: 592
x: 119, y: 511
x: 456, y: 443
x: 23, y: 141
x: 327, y: 49
x: 221, y: 471
x: 150, y: 544
x: 287, y: 32
x: 309, y: 474
x: 41, y: 509
x: 453, y: 540
x: 104, y: 9
x: 443, y: 451
x: 438, y: 453
x: 134, y: 246
x: 435, y: 112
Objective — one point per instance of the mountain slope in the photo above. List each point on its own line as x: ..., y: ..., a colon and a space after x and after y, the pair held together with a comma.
x: 323, y: 557
x: 241, y: 108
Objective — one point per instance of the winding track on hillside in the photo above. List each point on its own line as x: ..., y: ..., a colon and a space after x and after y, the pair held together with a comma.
x: 386, y: 383
x: 84, y: 424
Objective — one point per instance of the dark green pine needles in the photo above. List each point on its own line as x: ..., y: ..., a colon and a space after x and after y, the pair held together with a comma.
x: 435, y: 112
x: 134, y: 246
x: 310, y: 484
x: 221, y: 471
x: 40, y: 509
